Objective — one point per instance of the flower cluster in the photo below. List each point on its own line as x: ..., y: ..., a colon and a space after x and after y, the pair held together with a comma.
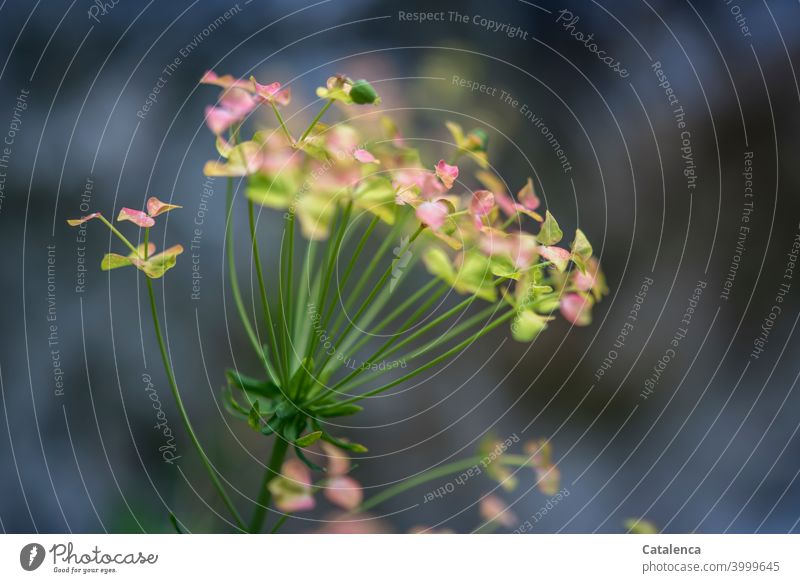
x: 143, y: 257
x: 481, y: 241
x: 293, y: 490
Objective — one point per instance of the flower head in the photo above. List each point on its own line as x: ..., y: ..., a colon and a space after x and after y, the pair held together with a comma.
x: 446, y: 173
x: 292, y: 490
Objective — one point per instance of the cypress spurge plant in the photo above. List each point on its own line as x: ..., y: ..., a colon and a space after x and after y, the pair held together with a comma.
x: 361, y: 207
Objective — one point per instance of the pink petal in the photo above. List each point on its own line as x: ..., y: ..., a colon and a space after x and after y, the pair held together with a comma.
x: 138, y: 217
x: 296, y: 471
x: 528, y: 197
x: 482, y: 203
x: 557, y: 255
x: 446, y: 173
x: 345, y: 492
x: 271, y: 92
x: 237, y: 102
x: 432, y: 214
x: 298, y: 503
x: 76, y: 222
x: 219, y: 119
x: 337, y: 461
x: 549, y: 479
x: 364, y: 157
x: 583, y: 281
x: 493, y: 509
x: 291, y: 490
x: 155, y: 207
x: 226, y: 81
x: 506, y: 203
x: 575, y: 309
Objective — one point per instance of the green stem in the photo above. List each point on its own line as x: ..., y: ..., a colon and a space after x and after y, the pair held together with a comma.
x: 285, y: 291
x: 283, y: 124
x: 376, y: 355
x: 351, y: 265
x: 362, y: 281
x: 429, y: 364
x: 279, y: 524
x: 263, y: 293
x: 379, y: 286
x: 439, y: 472
x: 273, y: 470
x: 146, y: 242
x: 330, y: 260
x: 120, y: 235
x: 316, y: 119
x: 347, y: 348
x: 184, y: 415
x: 237, y: 296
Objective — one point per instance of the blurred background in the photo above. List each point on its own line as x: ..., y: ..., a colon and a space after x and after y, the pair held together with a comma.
x: 657, y: 179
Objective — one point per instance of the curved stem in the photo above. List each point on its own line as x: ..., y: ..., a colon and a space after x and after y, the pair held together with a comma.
x: 315, y: 120
x: 439, y: 472
x: 285, y: 276
x: 283, y: 124
x: 426, y: 366
x: 184, y: 415
x: 237, y: 296
x: 264, y: 495
x: 263, y: 292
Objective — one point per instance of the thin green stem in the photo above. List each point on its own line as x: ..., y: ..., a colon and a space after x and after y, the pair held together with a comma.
x: 347, y: 348
x: 263, y: 293
x: 379, y: 286
x: 429, y: 364
x: 330, y: 260
x: 146, y: 242
x: 120, y: 235
x: 279, y: 524
x: 283, y: 124
x: 351, y: 264
x: 273, y: 470
x: 304, y: 291
x: 362, y: 281
x: 436, y: 473
x: 237, y: 296
x: 316, y: 119
x: 285, y: 291
x: 184, y: 415
x: 410, y: 321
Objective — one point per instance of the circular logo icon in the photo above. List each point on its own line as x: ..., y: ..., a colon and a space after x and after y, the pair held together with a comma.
x: 31, y: 556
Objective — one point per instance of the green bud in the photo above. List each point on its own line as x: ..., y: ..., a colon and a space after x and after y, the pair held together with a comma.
x: 362, y: 93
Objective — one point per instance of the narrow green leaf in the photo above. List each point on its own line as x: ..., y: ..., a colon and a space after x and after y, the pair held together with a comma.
x: 308, y: 439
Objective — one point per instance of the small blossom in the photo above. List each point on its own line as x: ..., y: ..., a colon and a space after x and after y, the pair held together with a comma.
x: 482, y: 203
x: 226, y: 81
x: 271, y: 93
x: 292, y: 489
x: 528, y: 197
x: 584, y: 281
x: 219, y: 120
x: 549, y: 479
x: 80, y: 221
x: 139, y: 218
x: 432, y: 214
x: 576, y: 308
x: 556, y: 255
x: 155, y: 207
x: 446, y: 173
x: 365, y: 157
x: 337, y: 460
x: 493, y: 509
x: 345, y: 492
